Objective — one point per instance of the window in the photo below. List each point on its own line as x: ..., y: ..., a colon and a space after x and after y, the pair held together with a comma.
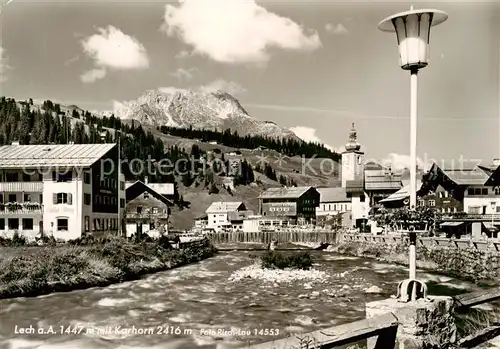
x: 87, y: 223
x: 27, y: 198
x: 65, y: 177
x: 122, y: 203
x: 12, y: 197
x: 432, y: 203
x: 474, y: 209
x: 1, y: 198
x: 86, y: 177
x: 2, y: 223
x: 12, y: 177
x: 421, y: 203
x: 155, y: 210
x: 13, y: 223
x: 484, y: 191
x: 41, y: 198
x: 498, y: 209
x: 62, y: 224
x: 27, y: 223
x: 26, y: 177
x: 470, y: 191
x: 63, y: 198
x: 497, y: 191
x: 362, y: 198
x: 146, y: 195
x: 122, y: 185
x: 139, y: 209
x: 477, y: 191
x: 87, y: 199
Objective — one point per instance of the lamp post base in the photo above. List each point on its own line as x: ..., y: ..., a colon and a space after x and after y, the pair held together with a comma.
x: 411, y: 290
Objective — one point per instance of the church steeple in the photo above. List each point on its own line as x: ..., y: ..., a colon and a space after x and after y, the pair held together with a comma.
x: 353, y: 144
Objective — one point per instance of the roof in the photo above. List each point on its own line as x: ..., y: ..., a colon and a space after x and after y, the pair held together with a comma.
x: 282, y: 193
x: 382, y: 180
x: 239, y: 216
x: 224, y: 206
x: 53, y: 155
x: 401, y: 194
x: 465, y: 172
x: 202, y: 217
x: 468, y: 177
x: 161, y: 188
x: 355, y: 186
x: 137, y: 188
x: 333, y: 195
x: 451, y: 224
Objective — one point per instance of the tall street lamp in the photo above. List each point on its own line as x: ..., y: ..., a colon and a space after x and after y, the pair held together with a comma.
x: 412, y: 30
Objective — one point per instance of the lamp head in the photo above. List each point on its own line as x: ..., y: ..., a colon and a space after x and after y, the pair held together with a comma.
x: 412, y: 29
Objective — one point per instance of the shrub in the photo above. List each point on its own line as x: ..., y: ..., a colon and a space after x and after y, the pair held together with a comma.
x: 18, y: 240
x: 274, y: 259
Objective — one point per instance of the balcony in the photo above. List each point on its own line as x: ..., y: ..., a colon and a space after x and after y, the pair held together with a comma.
x: 20, y: 209
x: 29, y: 187
x: 461, y: 216
x: 146, y: 216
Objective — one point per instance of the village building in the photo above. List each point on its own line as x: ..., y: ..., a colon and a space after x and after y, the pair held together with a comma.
x: 475, y: 187
x: 201, y: 222
x: 333, y: 205
x: 289, y: 206
x: 439, y: 199
x: 64, y: 190
x: 148, y: 208
x: 218, y: 214
x: 238, y: 218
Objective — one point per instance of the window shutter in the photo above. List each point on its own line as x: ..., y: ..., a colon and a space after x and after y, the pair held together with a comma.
x: 54, y: 198
x: 70, y: 199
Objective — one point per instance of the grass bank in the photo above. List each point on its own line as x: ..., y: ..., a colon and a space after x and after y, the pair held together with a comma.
x: 36, y: 270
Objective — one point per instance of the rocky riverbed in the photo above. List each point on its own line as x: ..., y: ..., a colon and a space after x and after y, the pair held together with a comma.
x: 200, y: 299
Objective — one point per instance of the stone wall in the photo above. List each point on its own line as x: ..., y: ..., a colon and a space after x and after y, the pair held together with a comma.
x: 477, y: 261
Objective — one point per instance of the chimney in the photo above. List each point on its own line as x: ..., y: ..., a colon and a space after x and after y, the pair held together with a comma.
x: 496, y: 162
x: 146, y: 180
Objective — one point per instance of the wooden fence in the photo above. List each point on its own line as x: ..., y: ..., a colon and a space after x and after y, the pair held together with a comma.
x: 266, y: 237
x: 384, y: 327
x: 478, y: 244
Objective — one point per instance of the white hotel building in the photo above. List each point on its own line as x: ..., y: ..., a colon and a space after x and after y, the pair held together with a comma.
x: 61, y: 190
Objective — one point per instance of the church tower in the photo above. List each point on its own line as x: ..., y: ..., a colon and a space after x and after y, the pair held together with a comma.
x: 352, y: 159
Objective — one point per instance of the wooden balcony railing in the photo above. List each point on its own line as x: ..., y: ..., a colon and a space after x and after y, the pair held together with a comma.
x: 20, y: 210
x: 146, y: 216
x: 29, y: 187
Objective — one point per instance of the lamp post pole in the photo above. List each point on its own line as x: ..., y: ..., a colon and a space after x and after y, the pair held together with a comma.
x: 413, y: 168
x: 413, y: 33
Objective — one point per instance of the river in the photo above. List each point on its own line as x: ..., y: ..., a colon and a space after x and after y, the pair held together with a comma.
x: 198, y: 300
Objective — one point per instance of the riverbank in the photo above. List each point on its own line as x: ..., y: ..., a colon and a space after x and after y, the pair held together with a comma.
x: 480, y: 267
x: 27, y: 271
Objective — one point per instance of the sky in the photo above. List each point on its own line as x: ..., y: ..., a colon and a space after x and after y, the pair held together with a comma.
x: 312, y: 66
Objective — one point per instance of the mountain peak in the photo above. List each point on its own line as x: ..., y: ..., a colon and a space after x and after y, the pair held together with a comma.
x: 200, y: 110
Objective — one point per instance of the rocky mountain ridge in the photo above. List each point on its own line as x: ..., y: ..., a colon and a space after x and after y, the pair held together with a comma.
x: 182, y: 108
